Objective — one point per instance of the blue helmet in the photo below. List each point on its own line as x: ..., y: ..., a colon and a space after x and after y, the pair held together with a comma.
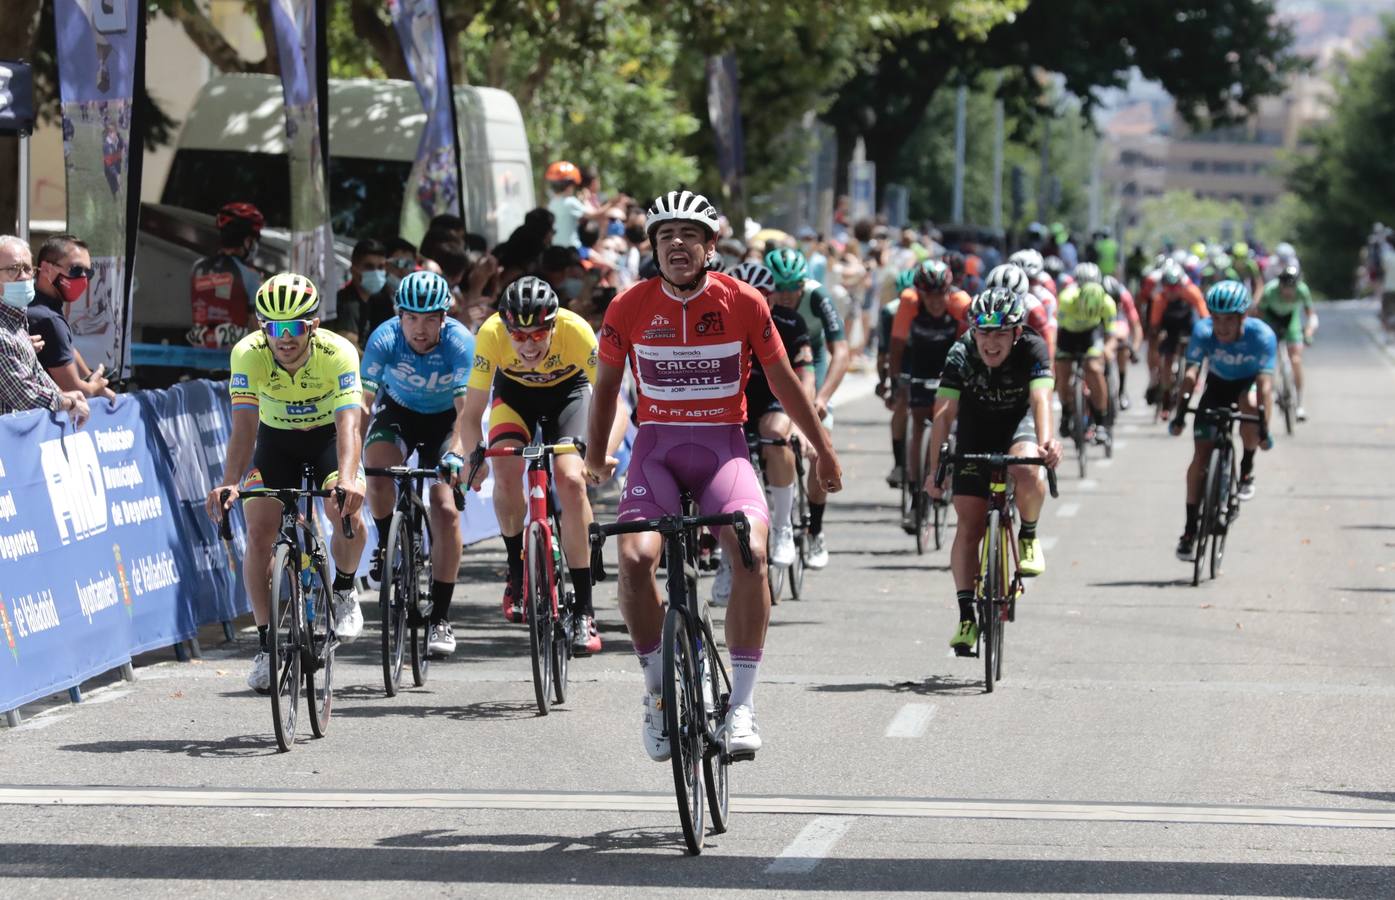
x: 1227, y: 297
x: 423, y: 292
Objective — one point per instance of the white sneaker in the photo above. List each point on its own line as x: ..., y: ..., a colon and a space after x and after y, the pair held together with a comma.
x: 655, y: 740
x: 742, y: 734
x: 818, y: 552
x: 721, y: 583
x: 1301, y: 414
x: 782, y: 546
x: 441, y: 640
x: 374, y: 577
x: 259, y: 679
x: 348, y: 618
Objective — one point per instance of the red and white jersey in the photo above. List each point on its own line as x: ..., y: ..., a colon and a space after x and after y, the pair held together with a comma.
x: 691, y: 358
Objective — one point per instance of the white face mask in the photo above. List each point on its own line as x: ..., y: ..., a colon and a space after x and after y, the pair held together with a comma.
x: 19, y: 294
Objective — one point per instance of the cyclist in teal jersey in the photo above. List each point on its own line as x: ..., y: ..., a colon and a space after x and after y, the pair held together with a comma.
x: 795, y: 289
x: 1287, y: 307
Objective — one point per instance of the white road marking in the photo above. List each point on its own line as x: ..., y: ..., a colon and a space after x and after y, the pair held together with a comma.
x: 1088, y: 484
x: 1120, y: 445
x: 662, y: 804
x: 1103, y: 463
x: 1068, y: 510
x: 911, y: 720
x: 810, y: 846
x: 38, y: 724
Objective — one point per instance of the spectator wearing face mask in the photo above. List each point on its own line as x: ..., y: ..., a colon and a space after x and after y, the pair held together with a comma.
x: 368, y: 277
x: 221, y: 286
x: 65, y: 268
x: 23, y: 382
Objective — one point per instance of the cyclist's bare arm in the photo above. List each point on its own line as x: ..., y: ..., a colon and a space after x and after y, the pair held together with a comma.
x: 898, y: 351
x: 239, y: 456
x: 790, y: 392
x: 604, y: 397
x: 839, y: 358
x: 350, y: 447
x: 1046, y: 431
x: 365, y: 414
x: 461, y: 432
x: 946, y: 411
x: 469, y: 414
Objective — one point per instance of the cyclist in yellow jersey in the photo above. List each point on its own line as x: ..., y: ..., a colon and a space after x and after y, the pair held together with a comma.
x: 295, y: 398
x: 540, y: 361
x: 1084, y: 315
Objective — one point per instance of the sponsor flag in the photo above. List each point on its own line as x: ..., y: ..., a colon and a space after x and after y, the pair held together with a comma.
x: 724, y: 112
x: 101, y: 64
x: 300, y: 46
x: 435, y: 183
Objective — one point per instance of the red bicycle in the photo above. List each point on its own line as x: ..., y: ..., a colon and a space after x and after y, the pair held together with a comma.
x: 548, y: 604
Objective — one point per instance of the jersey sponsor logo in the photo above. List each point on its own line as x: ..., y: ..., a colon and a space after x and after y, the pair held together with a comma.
x: 346, y: 381
x: 710, y: 371
x: 658, y: 320
x: 765, y: 335
x: 553, y: 361
x: 711, y: 323
x: 660, y: 334
x: 405, y: 375
x: 608, y: 333
x: 301, y: 409
x: 238, y: 381
x: 481, y: 363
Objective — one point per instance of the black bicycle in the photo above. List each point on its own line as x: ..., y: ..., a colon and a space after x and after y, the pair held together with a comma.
x: 799, y: 515
x: 998, y: 583
x: 1220, y: 498
x: 921, y: 516
x: 404, y: 594
x: 697, y: 686
x: 301, y: 640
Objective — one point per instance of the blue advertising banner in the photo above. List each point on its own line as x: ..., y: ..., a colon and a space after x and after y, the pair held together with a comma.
x: 94, y: 561
x: 100, y: 63
x: 434, y: 185
x: 300, y: 49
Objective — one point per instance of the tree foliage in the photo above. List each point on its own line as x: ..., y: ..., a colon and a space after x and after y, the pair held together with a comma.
x: 1182, y: 217
x: 1342, y: 185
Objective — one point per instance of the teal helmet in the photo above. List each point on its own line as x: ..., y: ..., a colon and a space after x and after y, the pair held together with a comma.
x: 789, y: 267
x: 1227, y: 298
x: 423, y: 292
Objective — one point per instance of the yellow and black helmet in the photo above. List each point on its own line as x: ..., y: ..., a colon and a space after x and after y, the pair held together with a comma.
x: 287, y: 296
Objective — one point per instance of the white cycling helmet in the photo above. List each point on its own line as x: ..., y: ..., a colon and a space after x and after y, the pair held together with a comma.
x: 682, y: 206
x: 754, y: 274
x: 1009, y: 276
x: 1029, y: 261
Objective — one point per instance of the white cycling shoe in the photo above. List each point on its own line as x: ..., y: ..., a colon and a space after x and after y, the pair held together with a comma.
x: 348, y: 618
x: 656, y: 742
x: 742, y: 734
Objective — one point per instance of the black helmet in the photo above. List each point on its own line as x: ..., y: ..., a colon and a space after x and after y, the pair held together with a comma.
x: 1288, y: 275
x: 528, y: 303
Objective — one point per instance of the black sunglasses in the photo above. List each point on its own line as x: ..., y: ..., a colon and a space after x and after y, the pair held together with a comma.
x: 76, y: 271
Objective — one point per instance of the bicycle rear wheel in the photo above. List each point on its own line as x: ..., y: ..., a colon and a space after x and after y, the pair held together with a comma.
x: 800, y: 520
x: 319, y: 653
x: 776, y: 575
x: 392, y: 607
x: 538, y: 609
x: 564, y: 624
x: 283, y: 645
x: 1286, y: 390
x: 990, y: 591
x: 1078, y: 423
x: 415, y: 575
x: 1206, y: 522
x: 683, y: 722
x: 716, y: 766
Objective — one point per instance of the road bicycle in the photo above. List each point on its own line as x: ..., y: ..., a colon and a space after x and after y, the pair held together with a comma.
x: 548, y: 605
x: 404, y: 594
x: 301, y: 640
x: 1286, y: 395
x: 999, y: 581
x: 799, y: 515
x: 1082, y: 415
x: 1220, y: 500
x: 697, y: 685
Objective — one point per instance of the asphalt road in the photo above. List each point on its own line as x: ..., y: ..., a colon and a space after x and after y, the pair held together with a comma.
x: 1150, y: 738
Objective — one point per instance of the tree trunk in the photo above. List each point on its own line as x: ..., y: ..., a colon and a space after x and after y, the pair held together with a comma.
x: 380, y: 36
x: 18, y: 26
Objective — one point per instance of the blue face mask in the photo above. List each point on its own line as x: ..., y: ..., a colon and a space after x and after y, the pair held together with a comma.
x: 19, y: 294
x: 374, y: 280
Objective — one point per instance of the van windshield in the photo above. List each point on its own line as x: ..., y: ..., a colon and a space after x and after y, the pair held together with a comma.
x: 365, y: 195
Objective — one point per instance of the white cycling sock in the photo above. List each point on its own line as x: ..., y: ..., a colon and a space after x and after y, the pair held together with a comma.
x: 781, y: 504
x: 745, y: 666
x: 651, y: 663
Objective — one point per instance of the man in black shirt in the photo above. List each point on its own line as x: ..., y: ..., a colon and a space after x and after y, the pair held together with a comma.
x: 367, y: 278
x: 65, y: 268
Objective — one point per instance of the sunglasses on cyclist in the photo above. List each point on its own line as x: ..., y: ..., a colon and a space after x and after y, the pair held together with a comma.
x: 537, y: 336
x: 292, y: 328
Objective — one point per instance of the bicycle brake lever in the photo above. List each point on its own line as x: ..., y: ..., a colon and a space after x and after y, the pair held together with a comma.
x: 597, y: 562
x: 742, y: 528
x: 459, y: 497
x: 1051, y: 483
x: 346, y: 522
x: 225, y: 523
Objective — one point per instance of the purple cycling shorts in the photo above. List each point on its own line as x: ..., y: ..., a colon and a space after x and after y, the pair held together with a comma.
x: 710, y: 461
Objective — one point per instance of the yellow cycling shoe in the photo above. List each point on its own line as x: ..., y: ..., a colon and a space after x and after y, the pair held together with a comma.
x: 965, y: 638
x: 1031, y: 558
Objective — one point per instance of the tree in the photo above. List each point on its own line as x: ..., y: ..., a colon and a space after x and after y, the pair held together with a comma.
x: 1216, y: 57
x: 1183, y: 217
x: 1342, y: 185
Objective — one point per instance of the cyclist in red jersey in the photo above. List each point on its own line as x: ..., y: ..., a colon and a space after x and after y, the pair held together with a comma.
x: 688, y: 335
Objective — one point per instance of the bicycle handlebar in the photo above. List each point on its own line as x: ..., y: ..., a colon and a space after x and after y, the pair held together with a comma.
x: 404, y: 472
x: 669, y: 525
x: 527, y: 451
x: 995, y: 460
x: 285, y: 495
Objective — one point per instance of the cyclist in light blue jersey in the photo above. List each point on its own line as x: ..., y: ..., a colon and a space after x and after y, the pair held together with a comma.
x: 415, y: 369
x: 1239, y: 352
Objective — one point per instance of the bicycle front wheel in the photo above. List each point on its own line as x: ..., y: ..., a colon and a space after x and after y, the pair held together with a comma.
x: 538, y: 609
x: 1081, y: 445
x: 392, y: 604
x: 1225, y: 490
x: 283, y: 645
x: 990, y: 591
x: 683, y: 723
x: 800, y: 520
x: 1206, y: 522
x: 716, y: 765
x: 319, y: 653
x: 416, y: 582
x: 564, y: 625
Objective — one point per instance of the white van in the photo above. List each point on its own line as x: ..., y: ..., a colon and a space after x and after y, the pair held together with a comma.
x: 232, y: 147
